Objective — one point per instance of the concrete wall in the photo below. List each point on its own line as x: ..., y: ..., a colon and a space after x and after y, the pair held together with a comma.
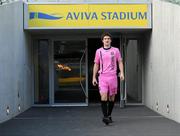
x: 161, y: 64
x: 15, y: 62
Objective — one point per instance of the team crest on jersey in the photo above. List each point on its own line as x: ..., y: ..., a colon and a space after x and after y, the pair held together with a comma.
x: 112, y: 53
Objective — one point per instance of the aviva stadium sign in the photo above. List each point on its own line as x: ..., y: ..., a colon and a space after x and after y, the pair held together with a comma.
x: 88, y: 16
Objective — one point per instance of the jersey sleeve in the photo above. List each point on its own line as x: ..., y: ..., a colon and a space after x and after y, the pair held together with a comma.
x: 118, y: 55
x: 97, y: 58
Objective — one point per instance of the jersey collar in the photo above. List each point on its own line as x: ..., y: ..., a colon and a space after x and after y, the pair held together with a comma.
x: 106, y: 48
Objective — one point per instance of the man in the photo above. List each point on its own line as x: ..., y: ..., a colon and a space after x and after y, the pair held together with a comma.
x: 105, y: 63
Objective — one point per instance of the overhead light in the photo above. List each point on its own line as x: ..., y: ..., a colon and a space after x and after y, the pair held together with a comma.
x: 63, y: 67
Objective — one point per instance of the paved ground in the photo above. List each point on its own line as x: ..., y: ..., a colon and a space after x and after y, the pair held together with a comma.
x: 86, y: 121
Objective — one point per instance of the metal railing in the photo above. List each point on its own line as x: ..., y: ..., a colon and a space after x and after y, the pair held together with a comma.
x: 3, y: 1
x: 6, y: 1
x: 173, y: 1
x: 88, y: 1
x: 9, y: 1
x: 71, y: 1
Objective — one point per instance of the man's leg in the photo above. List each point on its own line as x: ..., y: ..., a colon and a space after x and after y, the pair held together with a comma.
x: 103, y: 90
x: 112, y: 92
x: 104, y: 107
x: 111, y: 106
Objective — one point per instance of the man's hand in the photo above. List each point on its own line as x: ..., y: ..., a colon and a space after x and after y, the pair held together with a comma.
x: 121, y: 76
x: 94, y: 82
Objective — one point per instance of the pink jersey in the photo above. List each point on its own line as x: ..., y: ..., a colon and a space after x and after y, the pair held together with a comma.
x: 107, y: 59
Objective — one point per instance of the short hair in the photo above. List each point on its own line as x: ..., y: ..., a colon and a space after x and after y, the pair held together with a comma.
x: 106, y: 34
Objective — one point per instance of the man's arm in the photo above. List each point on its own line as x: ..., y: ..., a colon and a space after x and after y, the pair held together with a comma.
x: 95, y: 71
x: 121, y: 68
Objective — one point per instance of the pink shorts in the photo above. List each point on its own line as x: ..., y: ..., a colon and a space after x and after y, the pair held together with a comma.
x: 108, y: 84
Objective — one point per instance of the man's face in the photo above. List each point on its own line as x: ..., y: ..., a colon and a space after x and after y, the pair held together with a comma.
x: 106, y: 40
